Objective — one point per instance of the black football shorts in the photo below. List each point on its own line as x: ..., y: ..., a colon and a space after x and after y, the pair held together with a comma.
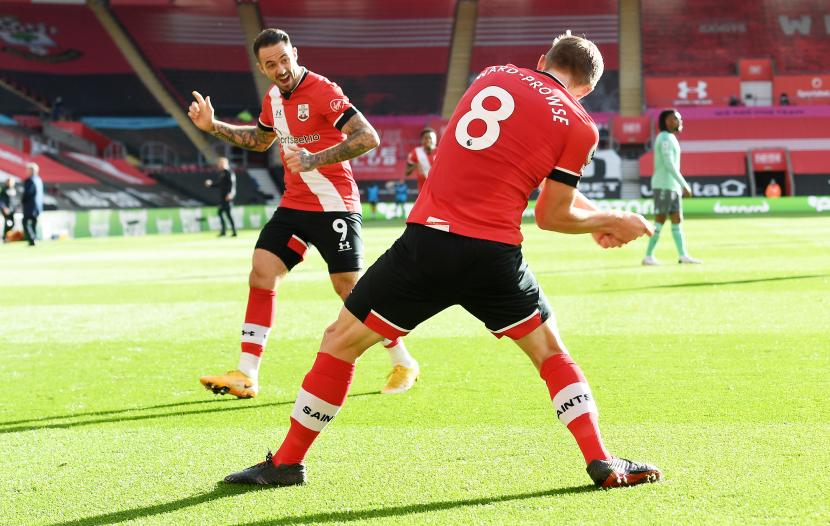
x: 428, y: 270
x: 289, y: 233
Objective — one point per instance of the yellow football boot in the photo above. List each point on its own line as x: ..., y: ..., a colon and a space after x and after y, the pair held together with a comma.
x: 401, y: 379
x: 233, y: 382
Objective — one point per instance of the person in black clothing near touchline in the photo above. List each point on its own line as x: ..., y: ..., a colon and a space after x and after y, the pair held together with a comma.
x: 8, y: 206
x: 226, y: 183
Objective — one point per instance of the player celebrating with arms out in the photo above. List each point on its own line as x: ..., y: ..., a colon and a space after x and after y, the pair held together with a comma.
x: 422, y: 157
x: 513, y: 130
x: 318, y: 131
x: 669, y: 187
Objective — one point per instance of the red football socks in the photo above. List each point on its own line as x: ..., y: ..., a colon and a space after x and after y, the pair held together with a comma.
x: 574, y: 404
x: 259, y: 317
x: 322, y: 395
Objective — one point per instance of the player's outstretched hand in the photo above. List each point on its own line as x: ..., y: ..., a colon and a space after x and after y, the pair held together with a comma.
x: 627, y: 227
x: 297, y: 159
x: 200, y: 112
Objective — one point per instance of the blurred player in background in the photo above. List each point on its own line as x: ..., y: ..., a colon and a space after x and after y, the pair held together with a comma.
x: 318, y: 131
x: 513, y: 129
x: 373, y: 195
x: 669, y: 187
x: 32, y: 201
x: 773, y: 190
x: 8, y: 206
x: 226, y: 184
x: 401, y: 197
x: 422, y: 157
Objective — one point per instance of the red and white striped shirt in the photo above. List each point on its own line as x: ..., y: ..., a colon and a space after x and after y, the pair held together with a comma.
x: 311, y: 117
x: 423, y: 161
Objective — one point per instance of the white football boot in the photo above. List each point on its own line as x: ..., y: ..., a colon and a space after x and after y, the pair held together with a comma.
x: 650, y: 261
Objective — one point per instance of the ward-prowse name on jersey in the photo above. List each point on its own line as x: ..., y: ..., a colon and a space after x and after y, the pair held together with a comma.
x: 552, y: 95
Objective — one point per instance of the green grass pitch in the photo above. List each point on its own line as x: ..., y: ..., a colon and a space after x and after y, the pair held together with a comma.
x: 719, y: 374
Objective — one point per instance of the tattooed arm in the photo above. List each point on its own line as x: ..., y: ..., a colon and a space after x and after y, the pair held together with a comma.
x: 248, y: 137
x: 360, y: 138
x: 201, y: 113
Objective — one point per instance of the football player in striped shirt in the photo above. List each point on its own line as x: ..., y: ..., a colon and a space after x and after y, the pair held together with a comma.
x: 318, y: 130
x: 420, y: 159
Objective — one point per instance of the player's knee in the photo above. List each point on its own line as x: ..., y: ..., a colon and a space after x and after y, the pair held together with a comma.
x: 343, y: 290
x: 344, y: 284
x: 542, y: 344
x: 329, y: 336
x: 341, y: 343
x: 540, y: 354
x: 261, y: 278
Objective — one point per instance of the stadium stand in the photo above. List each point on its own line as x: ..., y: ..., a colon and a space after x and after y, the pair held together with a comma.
x: 388, y: 58
x: 137, y: 135
x: 392, y: 61
x: 57, y: 178
x: 192, y: 185
x: 62, y: 51
x: 194, y: 48
x: 82, y: 131
x: 19, y: 96
x: 517, y: 32
x: 118, y: 176
x: 743, y: 133
x: 14, y: 161
x: 696, y: 37
x: 33, y: 123
x: 10, y: 102
x: 811, y: 172
x: 76, y: 181
x: 16, y: 137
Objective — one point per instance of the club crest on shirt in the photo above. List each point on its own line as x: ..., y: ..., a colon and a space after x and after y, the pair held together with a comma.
x: 302, y: 112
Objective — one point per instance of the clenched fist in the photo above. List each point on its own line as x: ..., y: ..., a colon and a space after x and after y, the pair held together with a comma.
x: 297, y: 159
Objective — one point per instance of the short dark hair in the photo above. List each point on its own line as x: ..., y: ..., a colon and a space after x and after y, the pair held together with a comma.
x: 578, y: 56
x: 661, y: 120
x: 270, y: 37
x: 426, y: 131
